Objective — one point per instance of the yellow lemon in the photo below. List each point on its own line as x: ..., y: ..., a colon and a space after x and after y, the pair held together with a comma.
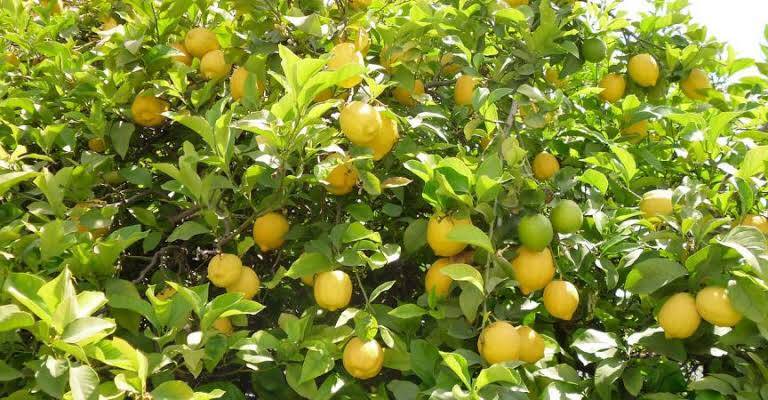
x: 248, y: 284
x: 362, y: 41
x: 499, y: 342
x: 679, y: 317
x: 545, y: 166
x: 341, y: 180
x: 448, y: 66
x: 363, y: 359
x: 333, y: 290
x: 184, y: 57
x: 383, y: 142
x: 213, y: 65
x: 326, y: 94
x: 531, y: 345
x: 224, y: 326
x: 438, y: 229
x: 552, y: 76
x: 561, y: 299
x: 636, y: 132
x: 360, y: 4
x: 693, y: 84
x: 404, y: 96
x: 644, y: 70
x: 237, y: 84
x: 758, y: 221
x: 12, y: 59
x: 613, y: 86
x: 200, y: 41
x: 360, y: 122
x: 148, y: 110
x: 656, y: 202
x: 343, y: 54
x: 515, y: 3
x: 308, y: 280
x: 269, y: 231
x: 715, y: 307
x: 97, y: 144
x: 437, y: 282
x: 224, y: 269
x: 108, y: 23
x: 533, y: 269
x: 462, y: 93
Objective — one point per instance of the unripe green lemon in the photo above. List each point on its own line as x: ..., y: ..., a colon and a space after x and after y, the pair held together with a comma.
x: 535, y: 232
x: 566, y: 216
x: 593, y: 50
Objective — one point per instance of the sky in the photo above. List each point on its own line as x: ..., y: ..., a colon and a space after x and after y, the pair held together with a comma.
x: 737, y: 22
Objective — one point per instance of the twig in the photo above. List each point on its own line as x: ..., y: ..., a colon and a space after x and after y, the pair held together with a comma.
x: 227, y: 238
x: 155, y: 260
x: 447, y: 82
x: 183, y: 215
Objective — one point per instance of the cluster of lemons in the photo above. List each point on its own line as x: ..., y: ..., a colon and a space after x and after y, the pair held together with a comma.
x: 644, y: 71
x: 681, y: 314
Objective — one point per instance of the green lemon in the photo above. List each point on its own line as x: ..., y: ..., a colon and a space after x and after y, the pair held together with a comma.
x: 593, y: 50
x: 566, y: 216
x: 535, y: 232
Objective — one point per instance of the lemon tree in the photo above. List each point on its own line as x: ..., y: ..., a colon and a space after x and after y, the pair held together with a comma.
x: 370, y: 199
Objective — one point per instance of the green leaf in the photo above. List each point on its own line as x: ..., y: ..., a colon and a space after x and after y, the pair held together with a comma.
x: 309, y: 264
x: 415, y: 235
x: 83, y: 382
x: 8, y: 373
x: 375, y: 293
x: 120, y: 135
x: 87, y: 330
x: 754, y: 162
x: 465, y: 273
x: 187, y: 230
x: 652, y: 274
x: 629, y: 168
x: 458, y: 365
x: 595, y: 178
x: 173, y: 390
x: 12, y: 318
x: 317, y: 362
x: 24, y: 288
x: 407, y: 311
x: 497, y: 373
x: 606, y: 374
x: 750, y: 243
x: 470, y: 234
x: 357, y: 231
x: 11, y: 179
x: 509, y: 15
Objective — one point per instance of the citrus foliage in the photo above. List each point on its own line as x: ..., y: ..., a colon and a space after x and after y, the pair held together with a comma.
x: 386, y: 200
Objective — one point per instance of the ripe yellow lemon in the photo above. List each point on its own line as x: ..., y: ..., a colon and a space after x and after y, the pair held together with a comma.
x: 438, y: 228
x: 644, y: 70
x: 715, y: 307
x: 545, y: 166
x: 148, y: 110
x: 758, y: 221
x: 248, y: 284
x: 341, y: 180
x: 362, y: 41
x: 448, y: 66
x: 679, y: 317
x: 515, y: 3
x: 405, y: 97
x: 224, y: 269
x: 561, y: 299
x: 437, y: 281
x: 363, y: 359
x: 531, y: 345
x: 224, y: 326
x: 613, y: 86
x: 333, y: 290
x: 200, y: 41
x: 269, y: 231
x: 213, y: 65
x: 360, y: 4
x: 184, y: 57
x: 360, y: 122
x: 308, y: 280
x: 499, y: 342
x: 656, y: 202
x: 343, y: 54
x: 533, y: 269
x: 465, y: 87
x: 552, y: 76
x: 383, y: 142
x: 237, y: 84
x: 694, y: 84
x: 97, y: 144
x: 636, y: 132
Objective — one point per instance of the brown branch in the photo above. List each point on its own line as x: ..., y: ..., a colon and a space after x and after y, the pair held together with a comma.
x: 183, y: 215
x: 156, y: 260
x: 447, y: 82
x: 227, y: 238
